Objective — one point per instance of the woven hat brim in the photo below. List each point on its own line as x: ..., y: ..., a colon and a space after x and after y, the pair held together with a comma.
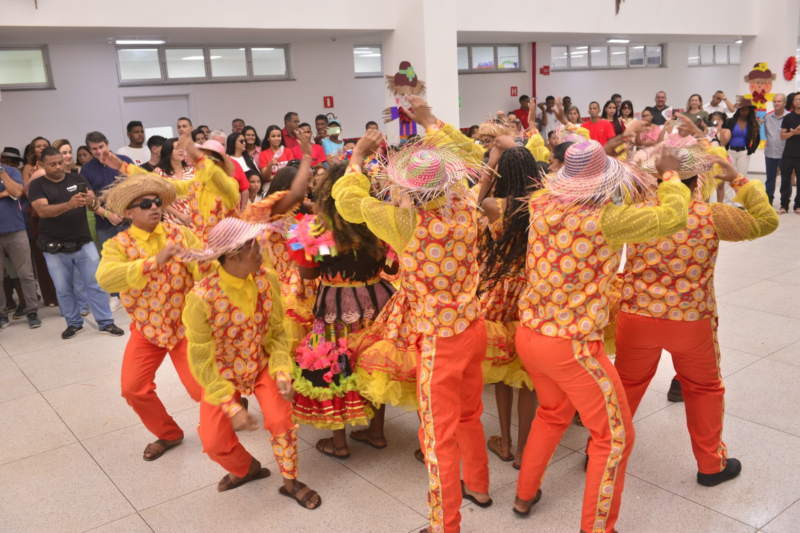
x: 229, y: 243
x: 125, y: 190
x: 694, y: 160
x: 616, y: 176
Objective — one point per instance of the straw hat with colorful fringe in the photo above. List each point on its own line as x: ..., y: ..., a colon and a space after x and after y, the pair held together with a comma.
x: 227, y: 236
x: 694, y: 160
x: 125, y: 190
x: 571, y: 135
x: 496, y: 127
x: 590, y: 176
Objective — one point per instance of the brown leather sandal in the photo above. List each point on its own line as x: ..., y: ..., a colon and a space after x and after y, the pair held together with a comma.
x: 419, y: 456
x: 227, y: 483
x: 322, y: 443
x: 533, y: 502
x: 503, y: 453
x: 165, y: 444
x: 366, y: 440
x: 304, y: 500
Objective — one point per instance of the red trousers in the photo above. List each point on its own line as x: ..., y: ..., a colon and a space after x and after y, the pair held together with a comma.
x: 695, y: 355
x: 139, y: 364
x: 222, y: 445
x: 566, y: 375
x: 449, y: 388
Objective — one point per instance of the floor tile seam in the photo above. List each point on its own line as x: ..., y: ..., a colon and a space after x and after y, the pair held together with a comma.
x: 728, y: 414
x: 779, y: 514
x: 70, y: 341
x: 23, y: 373
x: 692, y: 501
x: 671, y: 405
x: 2, y: 465
x: 117, y: 520
x: 74, y: 382
x: 753, y: 309
x: 20, y: 397
x: 139, y: 423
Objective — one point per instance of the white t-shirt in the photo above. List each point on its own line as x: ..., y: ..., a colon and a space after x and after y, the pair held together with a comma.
x: 552, y: 123
x: 242, y: 162
x: 139, y: 156
x: 721, y: 107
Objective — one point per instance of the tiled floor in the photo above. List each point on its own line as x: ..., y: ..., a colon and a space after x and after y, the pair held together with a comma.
x: 70, y: 458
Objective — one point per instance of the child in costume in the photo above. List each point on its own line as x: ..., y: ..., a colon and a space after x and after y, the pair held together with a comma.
x: 575, y: 235
x: 237, y: 347
x: 141, y: 264
x: 668, y: 301
x: 348, y: 259
x: 436, y: 237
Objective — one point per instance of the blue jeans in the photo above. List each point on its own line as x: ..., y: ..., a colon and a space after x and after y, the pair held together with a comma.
x: 62, y: 268
x: 773, y: 165
x: 109, y: 233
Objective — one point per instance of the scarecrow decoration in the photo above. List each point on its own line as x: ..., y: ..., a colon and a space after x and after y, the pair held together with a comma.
x: 760, y: 80
x: 402, y: 84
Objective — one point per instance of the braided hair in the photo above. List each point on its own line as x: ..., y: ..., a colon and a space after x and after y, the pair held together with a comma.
x: 348, y: 236
x: 505, y: 257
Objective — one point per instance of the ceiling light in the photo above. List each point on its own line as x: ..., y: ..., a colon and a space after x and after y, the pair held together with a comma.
x: 695, y: 57
x: 138, y: 42
x: 616, y: 53
x: 261, y: 49
x: 363, y: 48
x: 618, y: 41
x: 241, y: 49
x: 580, y: 47
x: 638, y: 47
x: 198, y: 58
x: 738, y: 42
x: 370, y: 55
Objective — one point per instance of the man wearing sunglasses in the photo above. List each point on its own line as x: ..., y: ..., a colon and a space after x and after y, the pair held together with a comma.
x: 140, y: 263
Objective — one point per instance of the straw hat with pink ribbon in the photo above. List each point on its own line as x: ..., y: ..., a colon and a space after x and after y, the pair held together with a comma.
x: 229, y: 235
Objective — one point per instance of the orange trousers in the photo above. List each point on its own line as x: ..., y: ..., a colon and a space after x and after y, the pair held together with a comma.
x: 566, y: 375
x: 695, y: 355
x: 222, y: 445
x: 139, y: 365
x: 449, y: 388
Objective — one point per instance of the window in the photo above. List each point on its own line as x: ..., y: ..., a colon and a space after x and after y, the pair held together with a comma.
x: 734, y: 54
x: 721, y: 54
x: 25, y: 68
x: 706, y: 55
x: 368, y: 61
x: 488, y: 58
x: 694, y: 55
x: 198, y: 64
x: 582, y: 57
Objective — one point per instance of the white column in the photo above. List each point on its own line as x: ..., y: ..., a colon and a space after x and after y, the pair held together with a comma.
x: 426, y: 36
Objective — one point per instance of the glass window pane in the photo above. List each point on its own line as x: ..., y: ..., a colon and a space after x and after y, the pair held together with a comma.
x: 508, y: 57
x: 558, y: 57
x: 483, y: 57
x: 636, y: 56
x: 653, y: 56
x: 599, y: 55
x: 139, y: 64
x: 228, y: 63
x: 694, y: 55
x: 706, y: 54
x: 269, y: 61
x: 463, y: 58
x: 367, y: 59
x: 578, y: 57
x: 618, y: 56
x: 22, y: 67
x: 734, y: 54
x: 185, y: 63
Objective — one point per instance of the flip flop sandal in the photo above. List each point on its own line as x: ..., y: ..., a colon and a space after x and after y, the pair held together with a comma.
x: 782, y: 211
x: 515, y: 465
x: 472, y: 498
x: 494, y: 446
x: 368, y: 442
x: 229, y: 484
x: 419, y: 456
x: 333, y: 454
x: 534, y: 502
x: 164, y: 444
x: 301, y: 502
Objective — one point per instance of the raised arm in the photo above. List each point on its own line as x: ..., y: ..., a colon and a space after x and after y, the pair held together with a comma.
x: 297, y: 193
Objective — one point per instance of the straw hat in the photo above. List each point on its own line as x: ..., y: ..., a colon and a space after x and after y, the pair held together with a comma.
x: 227, y: 236
x: 125, y: 190
x: 574, y: 135
x: 590, y: 176
x: 694, y: 160
x: 216, y: 150
x: 496, y: 128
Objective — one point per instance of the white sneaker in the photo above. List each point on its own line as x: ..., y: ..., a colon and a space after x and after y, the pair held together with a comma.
x: 114, y: 303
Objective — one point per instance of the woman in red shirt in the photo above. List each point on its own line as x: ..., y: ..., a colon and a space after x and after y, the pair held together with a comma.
x: 274, y: 154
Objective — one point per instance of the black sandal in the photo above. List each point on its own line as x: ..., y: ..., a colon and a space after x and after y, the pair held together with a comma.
x: 472, y: 498
x: 534, y: 502
x: 301, y: 502
x: 228, y: 484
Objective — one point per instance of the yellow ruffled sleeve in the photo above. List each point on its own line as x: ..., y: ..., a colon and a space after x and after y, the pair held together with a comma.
x: 391, y: 224
x: 117, y: 273
x: 627, y: 223
x: 202, y: 354
x: 215, y: 182
x: 445, y: 133
x: 276, y: 342
x: 537, y: 148
x: 759, y: 219
x: 198, y: 270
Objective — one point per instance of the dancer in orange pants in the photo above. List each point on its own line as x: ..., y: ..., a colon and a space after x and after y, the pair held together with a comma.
x: 140, y: 264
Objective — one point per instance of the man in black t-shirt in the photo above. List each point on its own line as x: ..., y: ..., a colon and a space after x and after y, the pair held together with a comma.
x: 790, y: 132
x: 154, y: 144
x: 60, y: 200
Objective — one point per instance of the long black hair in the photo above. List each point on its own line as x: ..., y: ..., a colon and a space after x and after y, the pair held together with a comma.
x: 615, y: 120
x: 282, y: 181
x: 270, y: 129
x: 504, y: 257
x: 258, y: 139
x: 753, y: 133
x: 165, y: 161
x: 230, y: 149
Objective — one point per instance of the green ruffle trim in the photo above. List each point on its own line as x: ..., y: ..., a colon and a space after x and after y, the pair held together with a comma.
x: 379, y: 388
x: 304, y: 387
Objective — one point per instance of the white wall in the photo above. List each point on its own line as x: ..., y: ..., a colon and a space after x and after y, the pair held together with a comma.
x: 87, y: 96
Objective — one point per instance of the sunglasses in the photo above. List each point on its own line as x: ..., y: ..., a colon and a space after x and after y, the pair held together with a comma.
x: 147, y: 203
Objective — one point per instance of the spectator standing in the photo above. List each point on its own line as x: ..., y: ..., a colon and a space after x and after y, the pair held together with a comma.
x: 84, y: 155
x: 332, y: 144
x: 651, y: 132
x: 547, y: 114
x: 173, y: 166
x: 790, y: 132
x: 290, y: 124
x: 625, y: 113
x: 610, y: 114
x: 198, y: 136
x: 775, y: 145
x: 617, y: 99
x: 321, y: 125
x: 154, y: 145
x: 318, y: 156
x: 719, y: 104
x: 10, y: 157
x: 237, y: 125
x: 14, y: 244
x: 661, y: 112
x: 60, y: 199
x: 522, y: 112
x: 599, y: 130
x: 745, y: 138
x: 252, y: 142
x: 566, y: 103
x: 136, y: 151
x: 274, y: 154
x: 184, y: 127
x: 694, y: 110
x: 236, y: 148
x: 371, y: 125
x: 33, y: 157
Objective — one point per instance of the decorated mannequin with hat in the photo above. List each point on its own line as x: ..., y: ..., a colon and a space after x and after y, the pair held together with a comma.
x: 238, y: 347
x: 434, y: 230
x: 402, y: 85
x: 760, y: 83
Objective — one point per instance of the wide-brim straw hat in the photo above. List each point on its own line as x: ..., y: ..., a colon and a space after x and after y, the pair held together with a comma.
x: 694, y: 161
x: 591, y: 176
x: 218, y: 151
x: 229, y: 235
x: 495, y: 127
x: 125, y: 190
x: 576, y: 135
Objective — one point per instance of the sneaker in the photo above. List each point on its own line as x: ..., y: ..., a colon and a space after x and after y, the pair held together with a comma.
x: 19, y: 313
x: 675, y: 394
x: 4, y: 321
x: 112, y: 330
x: 33, y: 321
x: 114, y: 303
x: 71, y: 331
x: 85, y: 313
x: 733, y: 467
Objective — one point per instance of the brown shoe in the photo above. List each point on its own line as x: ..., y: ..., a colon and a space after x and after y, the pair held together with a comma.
x: 675, y: 394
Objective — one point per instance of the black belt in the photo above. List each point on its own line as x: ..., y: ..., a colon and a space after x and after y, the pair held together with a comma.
x: 737, y: 148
